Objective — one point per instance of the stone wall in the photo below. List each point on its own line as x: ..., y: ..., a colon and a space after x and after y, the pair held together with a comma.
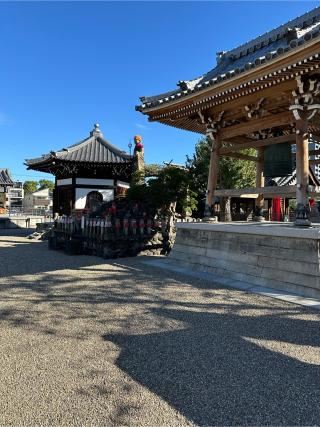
x: 21, y: 221
x: 277, y: 256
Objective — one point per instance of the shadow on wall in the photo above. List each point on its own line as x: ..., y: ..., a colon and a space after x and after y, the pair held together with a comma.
x: 215, y: 373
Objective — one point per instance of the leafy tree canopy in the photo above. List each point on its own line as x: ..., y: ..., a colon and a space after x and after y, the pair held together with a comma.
x: 233, y: 173
x: 30, y: 187
x: 170, y: 189
x: 46, y: 183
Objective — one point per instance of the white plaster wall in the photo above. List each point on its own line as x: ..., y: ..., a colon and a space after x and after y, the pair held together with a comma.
x: 65, y: 181
x: 94, y: 181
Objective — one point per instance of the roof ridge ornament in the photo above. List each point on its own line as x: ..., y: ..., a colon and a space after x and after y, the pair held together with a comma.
x: 291, y: 33
x: 220, y: 56
x: 96, y: 130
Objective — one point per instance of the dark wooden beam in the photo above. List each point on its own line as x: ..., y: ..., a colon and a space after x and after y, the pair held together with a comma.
x: 314, y: 152
x: 314, y: 162
x: 284, y: 191
x: 254, y: 125
x: 259, y: 143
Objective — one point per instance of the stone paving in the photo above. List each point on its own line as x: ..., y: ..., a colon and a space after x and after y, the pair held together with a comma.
x: 89, y: 342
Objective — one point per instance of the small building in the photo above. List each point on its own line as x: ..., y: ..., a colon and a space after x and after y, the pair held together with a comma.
x: 86, y: 174
x: 38, y: 202
x: 16, y: 195
x: 5, y: 183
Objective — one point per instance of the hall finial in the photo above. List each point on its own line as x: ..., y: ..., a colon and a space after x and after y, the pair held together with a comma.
x: 96, y: 130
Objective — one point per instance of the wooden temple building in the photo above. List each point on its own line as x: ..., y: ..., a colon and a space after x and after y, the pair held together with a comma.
x: 264, y: 94
x: 86, y: 174
x: 5, y: 182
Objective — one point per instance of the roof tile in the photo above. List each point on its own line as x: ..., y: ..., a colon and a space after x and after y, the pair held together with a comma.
x: 93, y: 149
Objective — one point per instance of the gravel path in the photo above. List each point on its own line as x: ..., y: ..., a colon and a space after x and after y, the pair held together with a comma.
x: 90, y: 342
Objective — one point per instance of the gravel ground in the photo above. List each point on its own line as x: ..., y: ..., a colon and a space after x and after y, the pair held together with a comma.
x: 90, y: 342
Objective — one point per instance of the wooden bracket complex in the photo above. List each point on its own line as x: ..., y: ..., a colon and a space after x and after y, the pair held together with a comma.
x: 306, y: 98
x: 255, y: 110
x: 212, y: 124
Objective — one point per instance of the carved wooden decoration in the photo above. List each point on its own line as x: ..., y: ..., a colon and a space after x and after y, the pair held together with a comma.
x: 306, y: 97
x: 256, y: 110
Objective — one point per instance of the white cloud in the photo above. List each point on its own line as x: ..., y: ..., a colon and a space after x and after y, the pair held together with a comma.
x: 141, y: 126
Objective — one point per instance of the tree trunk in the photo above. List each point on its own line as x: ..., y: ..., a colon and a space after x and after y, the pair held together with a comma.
x: 225, y: 209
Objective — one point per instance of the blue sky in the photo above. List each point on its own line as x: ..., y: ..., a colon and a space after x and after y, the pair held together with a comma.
x: 67, y: 65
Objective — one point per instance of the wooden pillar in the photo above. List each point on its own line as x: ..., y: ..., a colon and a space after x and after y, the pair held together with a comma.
x: 213, y: 174
x: 73, y: 194
x: 302, y: 167
x: 259, y: 183
x: 55, y: 198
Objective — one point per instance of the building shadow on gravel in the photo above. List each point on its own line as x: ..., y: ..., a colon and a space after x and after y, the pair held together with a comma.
x: 18, y: 232
x: 217, y: 362
x: 28, y: 257
x: 226, y: 369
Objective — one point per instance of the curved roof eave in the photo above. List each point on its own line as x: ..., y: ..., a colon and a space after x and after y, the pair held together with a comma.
x: 258, y: 52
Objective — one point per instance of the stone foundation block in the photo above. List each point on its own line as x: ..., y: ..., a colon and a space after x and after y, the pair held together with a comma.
x: 273, y: 255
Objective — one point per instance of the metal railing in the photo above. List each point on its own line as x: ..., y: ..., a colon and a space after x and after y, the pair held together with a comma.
x: 17, y: 211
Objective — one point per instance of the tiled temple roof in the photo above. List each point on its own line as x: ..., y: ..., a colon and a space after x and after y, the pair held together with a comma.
x: 5, y: 177
x: 291, y: 179
x: 94, y: 149
x: 252, y: 54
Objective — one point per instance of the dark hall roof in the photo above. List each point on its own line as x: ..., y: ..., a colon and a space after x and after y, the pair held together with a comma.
x: 292, y: 179
x: 254, y: 53
x: 94, y: 149
x: 5, y: 177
